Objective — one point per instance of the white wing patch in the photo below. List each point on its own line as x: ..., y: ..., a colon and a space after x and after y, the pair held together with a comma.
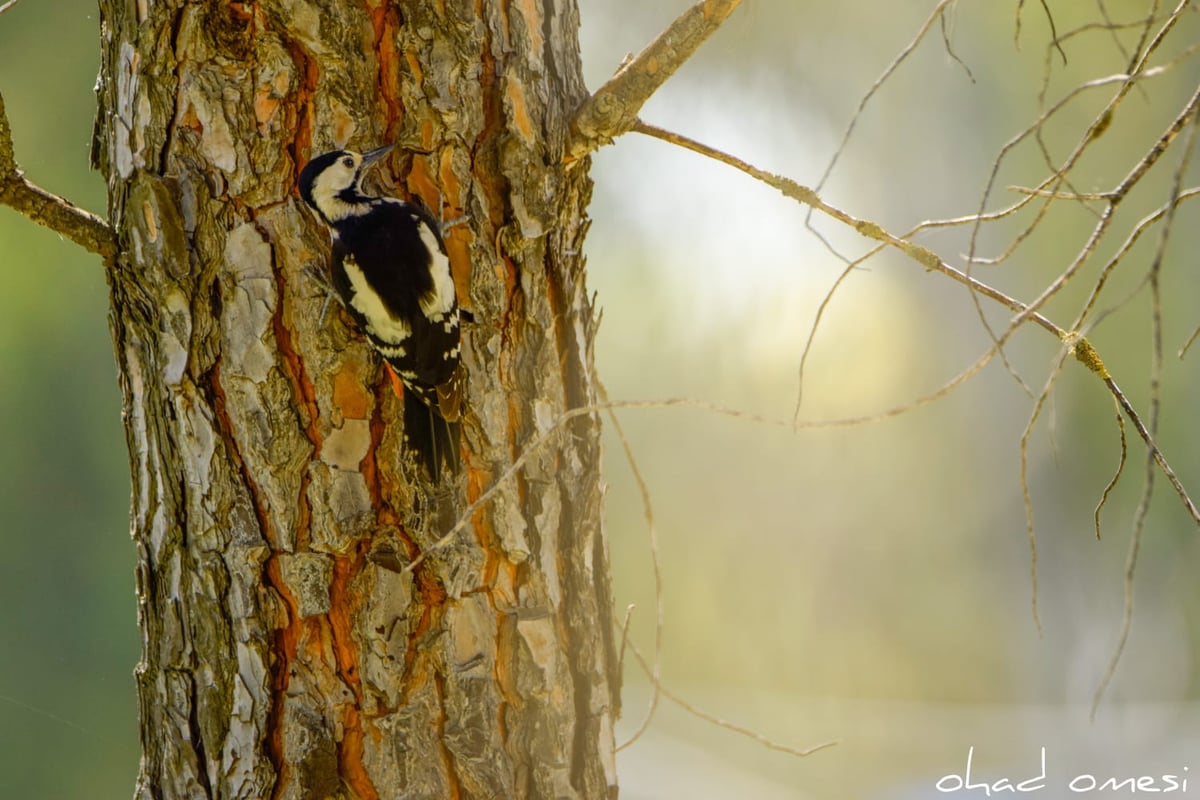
x: 391, y: 351
x: 382, y: 324
x: 436, y: 303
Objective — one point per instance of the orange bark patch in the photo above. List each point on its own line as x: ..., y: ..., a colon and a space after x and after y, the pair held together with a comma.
x: 477, y: 481
x: 458, y: 238
x: 343, y: 125
x: 433, y: 597
x: 518, y: 111
x: 385, y: 24
x: 267, y: 99
x: 533, y: 24
x: 350, y: 395
x: 265, y: 106
x: 189, y: 119
x: 287, y: 642
x: 414, y: 66
x: 422, y: 184
x: 458, y: 248
x: 452, y: 189
x: 344, y: 604
x: 350, y: 751
x: 299, y: 105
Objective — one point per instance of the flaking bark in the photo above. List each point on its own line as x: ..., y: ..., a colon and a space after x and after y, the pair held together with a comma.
x: 285, y: 655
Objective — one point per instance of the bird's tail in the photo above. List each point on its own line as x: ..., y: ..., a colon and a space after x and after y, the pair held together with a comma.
x: 432, y: 438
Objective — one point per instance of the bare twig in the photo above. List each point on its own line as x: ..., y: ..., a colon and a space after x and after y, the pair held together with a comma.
x: 624, y: 638
x: 1156, y: 364
x: 1137, y: 71
x: 720, y: 723
x: 82, y: 227
x: 652, y: 536
x: 1080, y: 347
x: 1030, y: 531
x: 1188, y: 344
x: 1054, y: 32
x: 1112, y: 483
x: 1059, y: 176
x: 7, y: 6
x: 1154, y: 453
x: 1134, y: 235
x: 557, y: 424
x: 803, y: 194
x: 613, y: 109
x: 933, y: 17
x: 812, y: 333
x: 950, y: 49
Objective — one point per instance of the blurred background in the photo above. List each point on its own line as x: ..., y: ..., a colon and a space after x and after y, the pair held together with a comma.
x: 868, y: 584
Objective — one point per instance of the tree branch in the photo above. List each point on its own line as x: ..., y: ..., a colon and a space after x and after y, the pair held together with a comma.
x: 82, y: 227
x: 1078, y: 344
x: 613, y: 109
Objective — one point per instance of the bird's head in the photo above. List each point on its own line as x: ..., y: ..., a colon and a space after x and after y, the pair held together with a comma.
x: 331, y: 183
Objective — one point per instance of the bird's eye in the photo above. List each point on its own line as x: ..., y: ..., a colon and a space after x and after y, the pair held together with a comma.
x: 348, y: 161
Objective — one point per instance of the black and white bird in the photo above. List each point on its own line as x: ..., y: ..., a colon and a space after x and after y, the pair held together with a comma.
x: 389, y: 266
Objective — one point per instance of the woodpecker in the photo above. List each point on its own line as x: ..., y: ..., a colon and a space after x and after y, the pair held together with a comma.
x: 390, y: 268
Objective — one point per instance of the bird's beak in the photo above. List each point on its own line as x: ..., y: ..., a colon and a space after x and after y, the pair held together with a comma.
x: 378, y: 153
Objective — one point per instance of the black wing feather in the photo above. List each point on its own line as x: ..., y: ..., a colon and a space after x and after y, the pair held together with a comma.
x: 386, y: 245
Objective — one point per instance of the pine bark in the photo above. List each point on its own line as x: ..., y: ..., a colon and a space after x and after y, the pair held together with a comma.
x: 286, y: 652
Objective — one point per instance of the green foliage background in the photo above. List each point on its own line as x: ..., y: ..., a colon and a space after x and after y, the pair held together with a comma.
x: 67, y: 613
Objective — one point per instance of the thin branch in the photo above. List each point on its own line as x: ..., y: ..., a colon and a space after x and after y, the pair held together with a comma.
x: 1080, y: 347
x: 7, y: 6
x: 1136, y: 72
x: 1030, y: 531
x: 934, y: 15
x: 1154, y: 453
x: 1054, y: 32
x: 1130, y: 241
x: 557, y: 425
x: 1109, y: 25
x: 82, y: 227
x: 1156, y: 365
x: 812, y: 333
x: 613, y: 109
x: 1188, y: 344
x: 624, y: 638
x: 1077, y: 344
x: 720, y: 723
x: 652, y: 536
x: 950, y: 50
x: 1059, y: 175
x: 803, y: 194
x: 1112, y: 483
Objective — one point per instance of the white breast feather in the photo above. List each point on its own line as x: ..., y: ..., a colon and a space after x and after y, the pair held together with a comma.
x: 382, y: 324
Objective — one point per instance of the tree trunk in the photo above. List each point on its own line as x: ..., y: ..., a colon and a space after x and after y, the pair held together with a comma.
x: 287, y: 653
